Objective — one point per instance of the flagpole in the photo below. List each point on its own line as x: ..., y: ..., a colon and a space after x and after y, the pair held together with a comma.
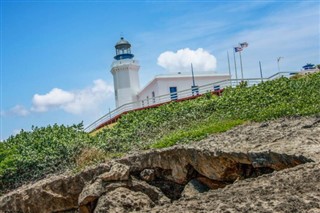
x: 242, y: 46
x: 229, y: 67
x: 241, y: 65
x: 193, y: 83
x: 261, y: 71
x: 235, y: 65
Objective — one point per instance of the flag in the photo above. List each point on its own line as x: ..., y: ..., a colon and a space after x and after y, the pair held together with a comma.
x: 238, y: 49
x: 244, y: 44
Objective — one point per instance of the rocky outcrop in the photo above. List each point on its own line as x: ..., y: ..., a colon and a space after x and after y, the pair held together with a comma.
x: 145, y: 180
x: 291, y: 190
x: 168, y: 174
x: 235, y: 171
x: 58, y: 193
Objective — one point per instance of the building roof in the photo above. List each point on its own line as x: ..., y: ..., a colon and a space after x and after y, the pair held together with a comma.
x: 188, y: 75
x: 122, y: 42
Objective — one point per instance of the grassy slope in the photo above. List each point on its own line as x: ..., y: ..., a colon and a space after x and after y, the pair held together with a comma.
x: 31, y: 155
x: 190, y: 120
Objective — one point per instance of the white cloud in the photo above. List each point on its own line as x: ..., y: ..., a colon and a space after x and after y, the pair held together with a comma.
x: 55, y: 98
x: 90, y: 98
x: 19, y: 110
x: 75, y: 102
x: 181, y: 60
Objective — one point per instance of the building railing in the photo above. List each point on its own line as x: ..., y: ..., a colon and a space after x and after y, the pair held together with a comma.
x: 183, y: 94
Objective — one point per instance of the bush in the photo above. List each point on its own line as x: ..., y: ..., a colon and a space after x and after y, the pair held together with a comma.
x: 32, y: 155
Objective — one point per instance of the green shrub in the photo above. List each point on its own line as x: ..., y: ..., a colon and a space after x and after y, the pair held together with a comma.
x: 31, y: 155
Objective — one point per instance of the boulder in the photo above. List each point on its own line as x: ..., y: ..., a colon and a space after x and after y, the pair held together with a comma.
x: 193, y: 188
x: 123, y: 200
x: 117, y: 172
x: 54, y: 194
x: 147, y: 174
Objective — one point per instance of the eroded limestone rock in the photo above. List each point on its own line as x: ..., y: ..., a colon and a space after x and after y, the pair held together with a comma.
x: 147, y: 174
x: 117, y: 172
x: 216, y: 165
x: 147, y: 179
x: 193, y: 188
x: 54, y: 194
x: 123, y: 200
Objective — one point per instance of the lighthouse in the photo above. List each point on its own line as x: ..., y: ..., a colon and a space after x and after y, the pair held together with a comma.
x: 125, y: 71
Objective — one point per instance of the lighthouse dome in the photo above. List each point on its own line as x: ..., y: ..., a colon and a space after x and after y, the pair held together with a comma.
x: 122, y: 42
x: 123, y: 50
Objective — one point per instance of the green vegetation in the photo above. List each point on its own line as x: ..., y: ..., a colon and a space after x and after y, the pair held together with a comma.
x: 31, y: 155
x: 196, y: 132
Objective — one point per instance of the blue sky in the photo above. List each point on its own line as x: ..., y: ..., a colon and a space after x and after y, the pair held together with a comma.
x: 56, y: 55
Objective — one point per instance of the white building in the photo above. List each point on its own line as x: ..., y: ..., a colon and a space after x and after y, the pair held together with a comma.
x: 125, y: 71
x: 174, y: 83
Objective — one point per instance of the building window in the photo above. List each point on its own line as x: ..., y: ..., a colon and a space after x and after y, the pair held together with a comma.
x: 195, y: 90
x: 173, y: 93
x: 153, y: 97
x: 216, y: 87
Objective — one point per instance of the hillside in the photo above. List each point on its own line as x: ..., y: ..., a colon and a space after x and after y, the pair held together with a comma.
x: 31, y: 156
x: 242, y: 167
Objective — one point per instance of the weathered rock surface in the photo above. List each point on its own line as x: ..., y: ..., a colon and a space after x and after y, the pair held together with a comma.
x: 236, y: 171
x: 123, y: 200
x: 99, y: 188
x: 58, y: 193
x: 291, y: 190
x: 215, y: 165
x: 117, y: 172
x: 193, y: 188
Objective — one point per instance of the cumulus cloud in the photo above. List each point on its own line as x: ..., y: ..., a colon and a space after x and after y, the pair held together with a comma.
x: 55, y: 98
x: 17, y: 110
x: 74, y: 102
x: 181, y: 60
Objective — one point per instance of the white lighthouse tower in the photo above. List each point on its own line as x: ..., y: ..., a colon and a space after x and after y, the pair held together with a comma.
x: 125, y: 71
